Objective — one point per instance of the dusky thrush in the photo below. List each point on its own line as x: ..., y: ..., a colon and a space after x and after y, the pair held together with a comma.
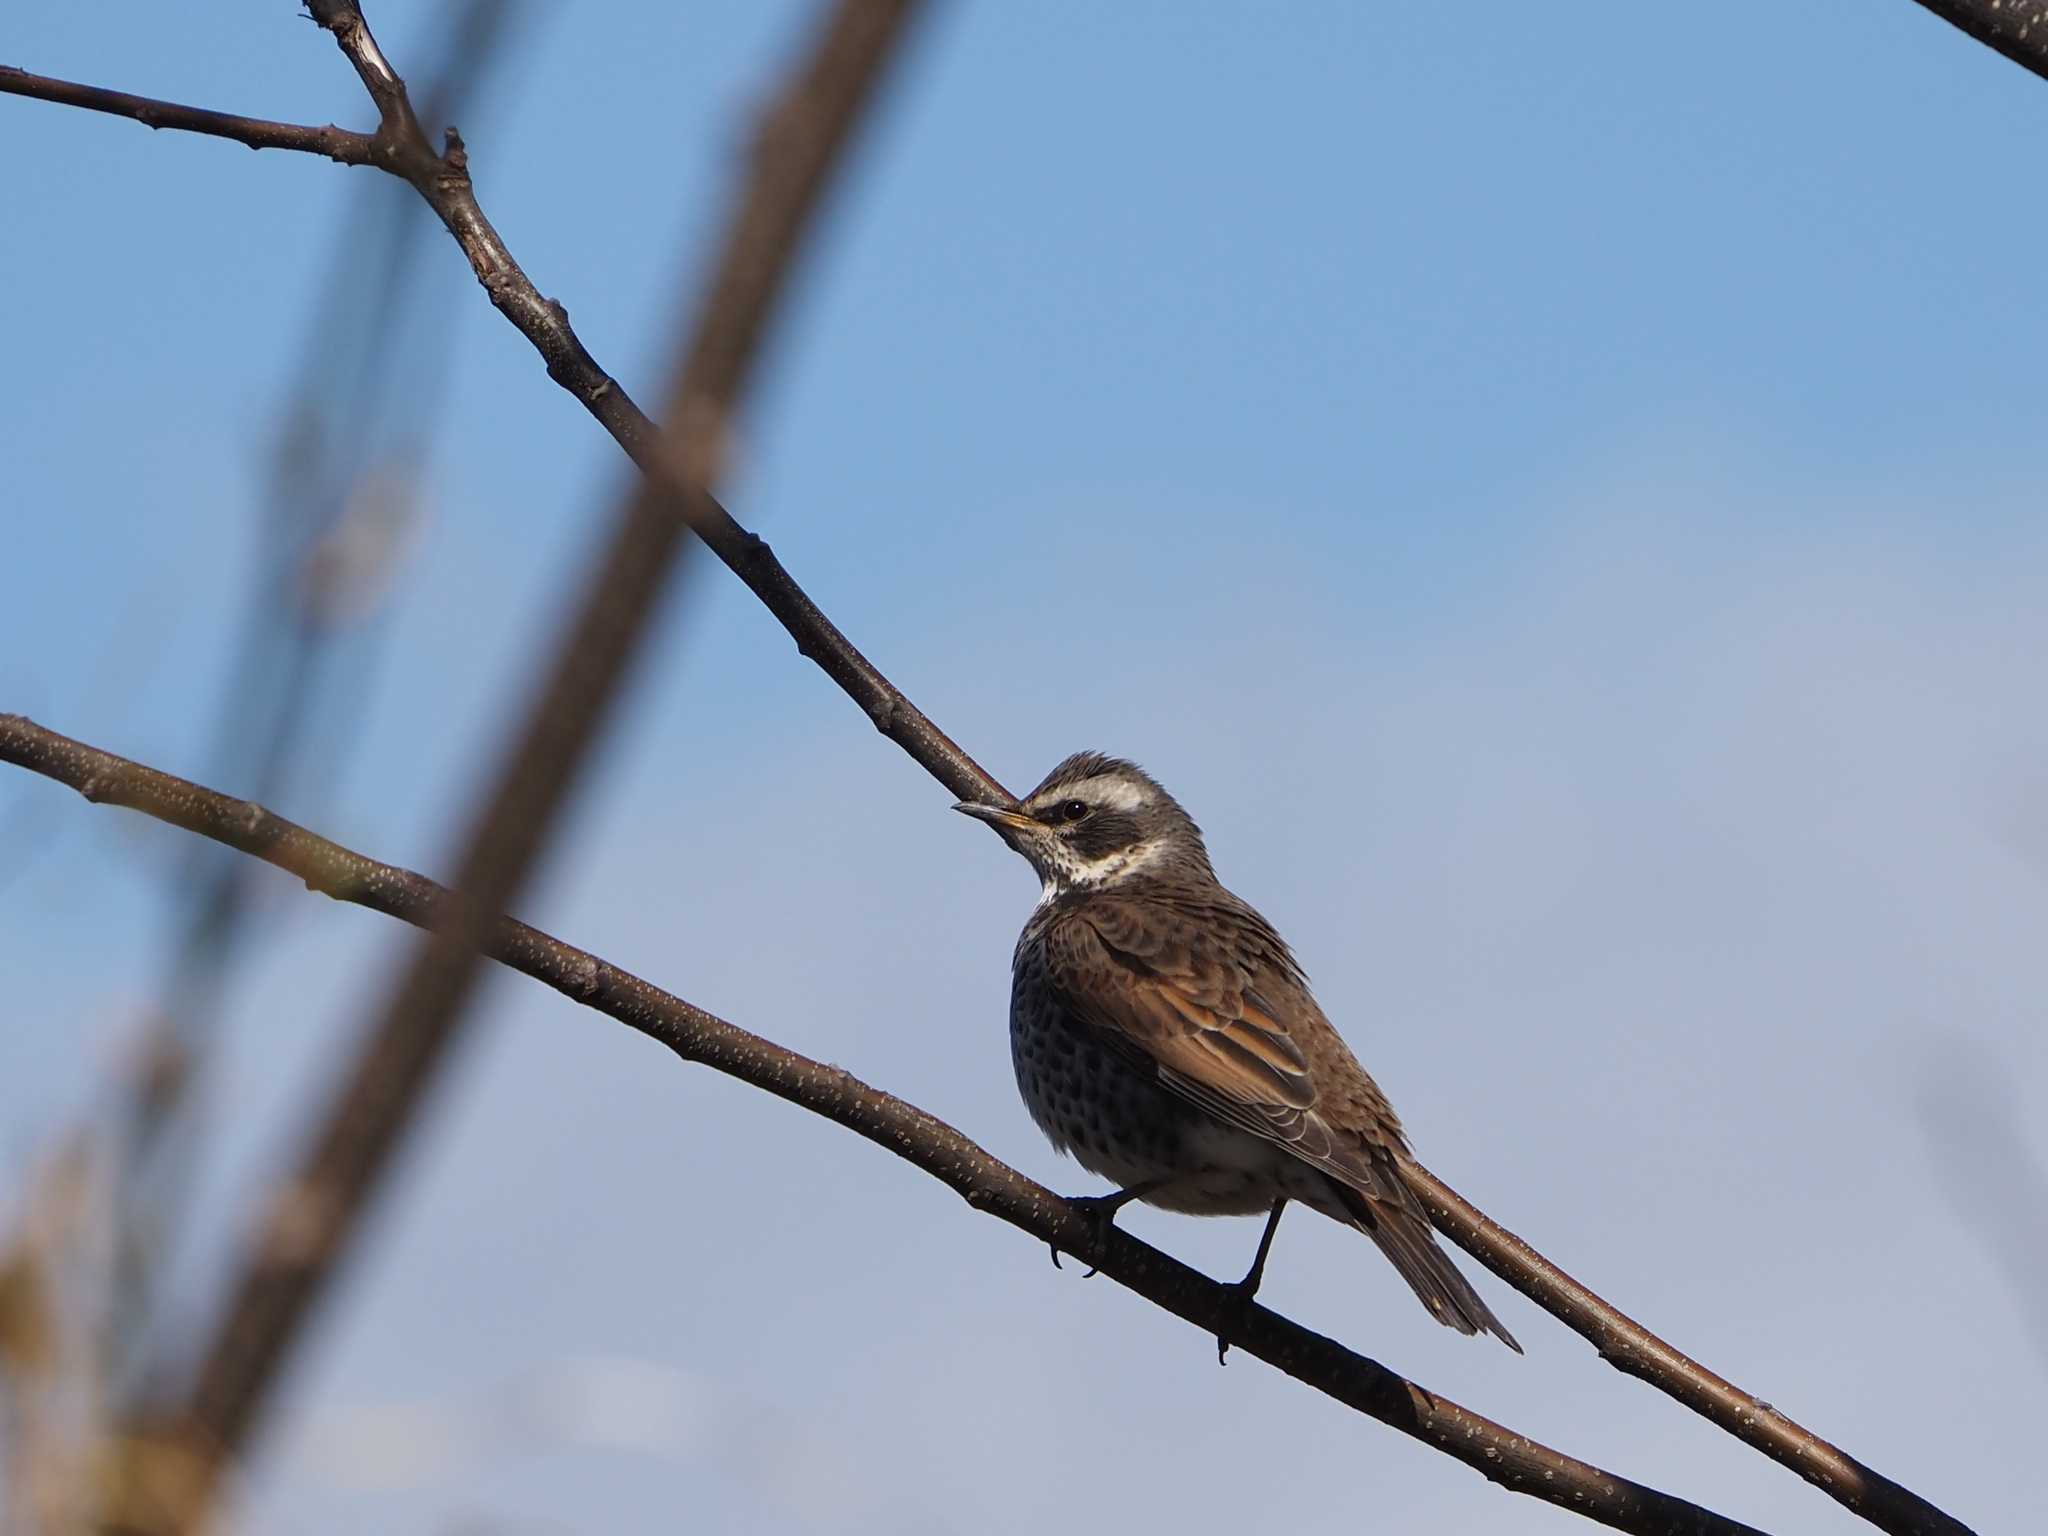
x: 1164, y: 1036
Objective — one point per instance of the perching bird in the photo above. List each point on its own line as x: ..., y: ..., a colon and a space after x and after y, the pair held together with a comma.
x: 1165, y: 1037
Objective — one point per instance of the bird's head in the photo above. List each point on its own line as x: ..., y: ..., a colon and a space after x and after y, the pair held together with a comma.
x: 1096, y: 821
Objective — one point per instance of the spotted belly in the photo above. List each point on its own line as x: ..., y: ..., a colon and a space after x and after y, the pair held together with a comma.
x: 1116, y: 1120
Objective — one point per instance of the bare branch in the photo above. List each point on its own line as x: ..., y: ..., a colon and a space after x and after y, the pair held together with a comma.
x: 1514, y: 1461
x: 1629, y: 1347
x: 2016, y: 28
x: 258, y: 133
x: 787, y: 174
x: 444, y: 182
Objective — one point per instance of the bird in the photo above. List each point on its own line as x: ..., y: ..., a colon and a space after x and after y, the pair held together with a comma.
x: 1164, y: 1036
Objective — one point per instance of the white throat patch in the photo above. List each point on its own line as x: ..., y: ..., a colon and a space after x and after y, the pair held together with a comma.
x: 1070, y: 873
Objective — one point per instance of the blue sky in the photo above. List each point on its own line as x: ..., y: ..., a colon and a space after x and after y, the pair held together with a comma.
x: 1557, y: 494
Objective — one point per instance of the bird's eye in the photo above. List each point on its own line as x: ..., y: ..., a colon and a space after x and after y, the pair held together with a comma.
x: 1073, y: 810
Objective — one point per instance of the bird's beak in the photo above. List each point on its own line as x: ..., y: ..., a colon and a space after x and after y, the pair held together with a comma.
x: 999, y: 817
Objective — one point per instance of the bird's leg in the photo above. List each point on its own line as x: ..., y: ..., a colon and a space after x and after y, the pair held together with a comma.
x: 1241, y: 1294
x: 1100, y: 1211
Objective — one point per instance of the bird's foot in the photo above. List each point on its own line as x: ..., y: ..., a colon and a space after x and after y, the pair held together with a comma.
x: 1237, y: 1311
x: 1099, y: 1211
x: 1237, y: 1306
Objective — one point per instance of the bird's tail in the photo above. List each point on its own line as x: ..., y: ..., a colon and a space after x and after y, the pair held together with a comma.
x: 1406, y: 1239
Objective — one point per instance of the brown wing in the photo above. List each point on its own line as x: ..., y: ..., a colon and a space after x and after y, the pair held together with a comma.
x: 1167, y: 991
x: 1195, y: 995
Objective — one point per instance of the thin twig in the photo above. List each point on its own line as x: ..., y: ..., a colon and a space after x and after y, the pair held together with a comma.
x: 256, y: 132
x: 445, y: 184
x: 2016, y: 28
x: 1512, y: 1460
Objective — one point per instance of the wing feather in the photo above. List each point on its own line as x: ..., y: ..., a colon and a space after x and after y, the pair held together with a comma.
x: 1168, y: 996
x: 1167, y: 993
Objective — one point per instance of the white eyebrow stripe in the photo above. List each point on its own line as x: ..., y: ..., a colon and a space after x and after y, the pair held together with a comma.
x: 1114, y: 794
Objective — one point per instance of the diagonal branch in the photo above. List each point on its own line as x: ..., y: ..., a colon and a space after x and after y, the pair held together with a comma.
x: 1631, y: 1348
x: 1514, y: 1461
x: 444, y: 182
x: 2016, y: 28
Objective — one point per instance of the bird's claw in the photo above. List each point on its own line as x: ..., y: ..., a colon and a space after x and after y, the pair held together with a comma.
x: 1238, y: 1308
x: 1099, y: 1211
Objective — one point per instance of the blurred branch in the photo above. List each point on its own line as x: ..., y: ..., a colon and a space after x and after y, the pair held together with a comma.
x: 1977, y: 1135
x: 51, y: 1351
x: 1512, y: 1460
x: 2016, y: 28
x: 313, y: 1215
x: 330, y: 527
x: 443, y: 180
